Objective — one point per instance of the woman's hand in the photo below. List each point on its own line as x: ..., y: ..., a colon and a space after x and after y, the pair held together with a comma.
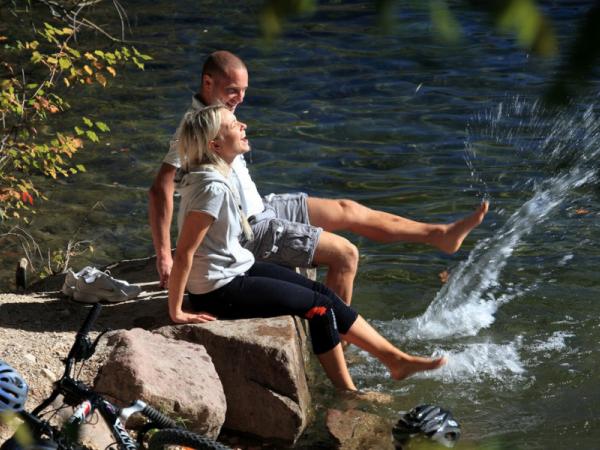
x: 198, y: 317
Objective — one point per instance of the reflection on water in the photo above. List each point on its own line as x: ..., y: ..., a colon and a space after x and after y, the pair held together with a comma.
x: 339, y: 109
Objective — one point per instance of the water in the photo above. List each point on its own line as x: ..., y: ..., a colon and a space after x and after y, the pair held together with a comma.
x: 401, y: 123
x: 465, y: 321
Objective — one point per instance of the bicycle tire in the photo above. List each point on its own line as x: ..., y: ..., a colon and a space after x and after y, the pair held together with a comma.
x: 176, y: 437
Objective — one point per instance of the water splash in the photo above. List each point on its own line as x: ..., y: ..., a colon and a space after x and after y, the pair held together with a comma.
x: 480, y: 361
x: 569, y: 144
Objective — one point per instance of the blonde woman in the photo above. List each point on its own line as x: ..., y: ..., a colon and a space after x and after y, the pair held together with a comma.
x: 223, y: 279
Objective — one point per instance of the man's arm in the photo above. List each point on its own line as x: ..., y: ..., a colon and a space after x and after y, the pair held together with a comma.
x: 160, y: 214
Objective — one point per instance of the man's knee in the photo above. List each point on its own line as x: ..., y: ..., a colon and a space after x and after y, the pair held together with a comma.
x: 347, y: 256
x: 350, y: 210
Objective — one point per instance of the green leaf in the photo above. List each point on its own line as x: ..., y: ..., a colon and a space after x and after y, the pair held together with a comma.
x: 92, y: 136
x: 65, y: 63
x: 139, y: 64
x: 80, y: 167
x: 87, y: 121
x: 444, y: 23
x: 74, y: 52
x: 79, y: 131
x: 102, y: 127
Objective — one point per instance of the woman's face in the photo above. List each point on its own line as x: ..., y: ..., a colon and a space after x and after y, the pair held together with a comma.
x: 231, y: 140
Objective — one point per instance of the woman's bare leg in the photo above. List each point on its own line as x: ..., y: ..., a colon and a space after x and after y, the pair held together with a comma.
x: 401, y: 365
x: 334, y: 364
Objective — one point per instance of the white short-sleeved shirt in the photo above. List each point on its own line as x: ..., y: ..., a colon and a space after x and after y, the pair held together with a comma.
x: 251, y: 200
x: 220, y: 257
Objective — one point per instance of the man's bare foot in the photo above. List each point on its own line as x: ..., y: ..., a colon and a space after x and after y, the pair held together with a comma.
x: 404, y: 368
x: 456, y: 232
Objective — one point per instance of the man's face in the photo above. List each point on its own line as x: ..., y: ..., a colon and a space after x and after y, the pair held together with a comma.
x: 229, y: 89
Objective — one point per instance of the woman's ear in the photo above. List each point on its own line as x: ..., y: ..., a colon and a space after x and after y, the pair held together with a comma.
x: 214, y: 145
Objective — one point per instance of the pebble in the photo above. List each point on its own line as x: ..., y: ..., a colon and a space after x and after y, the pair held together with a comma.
x: 29, y: 358
x: 49, y: 374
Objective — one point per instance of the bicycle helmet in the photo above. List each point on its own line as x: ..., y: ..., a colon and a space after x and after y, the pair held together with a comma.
x: 433, y: 422
x: 13, y: 389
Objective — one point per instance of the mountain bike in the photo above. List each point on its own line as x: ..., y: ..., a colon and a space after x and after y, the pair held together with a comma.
x: 157, y: 432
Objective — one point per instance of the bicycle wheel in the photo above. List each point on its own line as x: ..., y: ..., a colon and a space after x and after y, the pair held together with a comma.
x: 171, y: 437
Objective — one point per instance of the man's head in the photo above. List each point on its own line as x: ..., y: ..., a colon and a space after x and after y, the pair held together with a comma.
x: 224, y: 79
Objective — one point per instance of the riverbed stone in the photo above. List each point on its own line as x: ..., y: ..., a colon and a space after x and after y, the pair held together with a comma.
x: 358, y: 430
x: 175, y: 377
x: 262, y: 365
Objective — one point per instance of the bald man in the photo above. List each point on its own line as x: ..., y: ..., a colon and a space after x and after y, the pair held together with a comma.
x: 292, y: 229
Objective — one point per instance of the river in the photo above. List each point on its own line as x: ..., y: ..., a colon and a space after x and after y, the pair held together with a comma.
x: 405, y: 123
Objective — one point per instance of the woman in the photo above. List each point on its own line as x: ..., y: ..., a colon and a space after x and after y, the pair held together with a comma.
x: 223, y: 279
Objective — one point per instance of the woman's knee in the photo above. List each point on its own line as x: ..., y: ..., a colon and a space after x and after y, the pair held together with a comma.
x: 323, y: 329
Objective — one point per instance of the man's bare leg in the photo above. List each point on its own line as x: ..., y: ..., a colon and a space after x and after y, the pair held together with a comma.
x: 401, y: 365
x: 341, y: 258
x: 334, y: 215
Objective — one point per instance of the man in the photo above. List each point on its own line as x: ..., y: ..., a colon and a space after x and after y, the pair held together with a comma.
x: 292, y: 229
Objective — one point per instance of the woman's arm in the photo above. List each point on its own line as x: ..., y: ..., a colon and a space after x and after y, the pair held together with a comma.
x: 195, y: 227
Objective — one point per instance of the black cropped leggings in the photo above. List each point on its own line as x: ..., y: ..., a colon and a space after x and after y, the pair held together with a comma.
x: 269, y: 290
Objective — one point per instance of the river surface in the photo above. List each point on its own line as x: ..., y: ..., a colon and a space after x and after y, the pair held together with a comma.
x: 405, y: 123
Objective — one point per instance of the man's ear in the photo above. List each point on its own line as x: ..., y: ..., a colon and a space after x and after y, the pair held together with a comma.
x: 207, y: 81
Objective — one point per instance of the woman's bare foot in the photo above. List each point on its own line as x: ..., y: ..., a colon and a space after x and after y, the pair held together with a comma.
x: 409, y: 365
x: 456, y: 232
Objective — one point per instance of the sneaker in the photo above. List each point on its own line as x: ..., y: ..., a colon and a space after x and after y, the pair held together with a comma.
x: 68, y: 287
x: 93, y: 286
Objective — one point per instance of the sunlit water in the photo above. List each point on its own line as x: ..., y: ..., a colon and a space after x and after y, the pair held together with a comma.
x: 402, y: 123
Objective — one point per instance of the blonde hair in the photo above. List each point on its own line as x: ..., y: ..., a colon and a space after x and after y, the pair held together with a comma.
x: 196, y: 130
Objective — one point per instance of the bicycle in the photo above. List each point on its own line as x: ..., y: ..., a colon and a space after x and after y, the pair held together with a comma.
x: 157, y: 433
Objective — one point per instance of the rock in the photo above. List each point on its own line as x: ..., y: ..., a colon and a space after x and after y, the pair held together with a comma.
x: 49, y: 374
x: 262, y: 367
x: 358, y: 430
x: 95, y: 434
x: 177, y: 378
x: 30, y: 358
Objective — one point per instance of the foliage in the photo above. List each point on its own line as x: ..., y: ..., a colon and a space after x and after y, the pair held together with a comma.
x: 46, y: 58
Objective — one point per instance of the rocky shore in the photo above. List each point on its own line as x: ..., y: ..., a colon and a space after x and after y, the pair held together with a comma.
x: 38, y: 328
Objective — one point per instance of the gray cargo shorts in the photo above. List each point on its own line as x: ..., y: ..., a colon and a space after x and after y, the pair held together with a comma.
x: 282, y: 233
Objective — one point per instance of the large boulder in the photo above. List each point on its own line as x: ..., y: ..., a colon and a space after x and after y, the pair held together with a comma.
x: 177, y: 378
x: 261, y: 363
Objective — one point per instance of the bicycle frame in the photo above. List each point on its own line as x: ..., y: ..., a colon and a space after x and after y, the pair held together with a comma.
x: 113, y: 416
x: 85, y: 400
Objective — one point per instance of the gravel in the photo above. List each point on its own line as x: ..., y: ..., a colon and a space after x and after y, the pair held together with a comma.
x: 37, y: 331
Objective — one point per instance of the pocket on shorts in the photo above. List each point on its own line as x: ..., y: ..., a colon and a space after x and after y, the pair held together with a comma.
x: 288, y: 243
